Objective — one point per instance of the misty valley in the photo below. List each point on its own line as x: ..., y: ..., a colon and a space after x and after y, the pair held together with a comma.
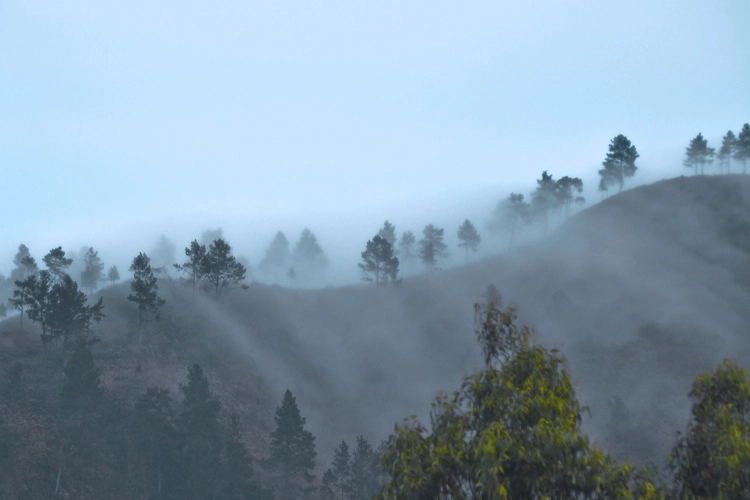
x: 592, y: 353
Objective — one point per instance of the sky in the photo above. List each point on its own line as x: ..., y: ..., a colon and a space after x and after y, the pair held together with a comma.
x: 120, y: 121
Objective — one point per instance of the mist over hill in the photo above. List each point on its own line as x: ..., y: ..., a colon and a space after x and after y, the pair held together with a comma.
x: 641, y: 292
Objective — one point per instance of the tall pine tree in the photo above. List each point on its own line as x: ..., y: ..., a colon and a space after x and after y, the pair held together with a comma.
x: 145, y: 290
x: 292, y: 452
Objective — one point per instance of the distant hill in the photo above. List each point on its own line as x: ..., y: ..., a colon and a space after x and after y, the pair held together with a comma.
x: 641, y: 292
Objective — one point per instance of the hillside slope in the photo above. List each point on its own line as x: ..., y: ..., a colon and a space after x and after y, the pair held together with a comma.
x: 641, y: 292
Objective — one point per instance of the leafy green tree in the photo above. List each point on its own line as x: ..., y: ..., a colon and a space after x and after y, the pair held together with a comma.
x: 511, y: 431
x: 388, y: 232
x: 220, y: 268
x: 93, y: 270
x: 57, y: 263
x: 697, y: 154
x: 113, y: 275
x: 144, y: 287
x: 292, y: 451
x: 742, y: 147
x: 726, y: 151
x: 569, y: 191
x: 277, y: 257
x: 431, y: 246
x: 69, y: 313
x: 619, y: 163
x: 469, y: 238
x: 379, y: 261
x: 199, y: 424
x: 195, y: 266
x: 406, y: 246
x: 712, y: 459
x: 510, y: 216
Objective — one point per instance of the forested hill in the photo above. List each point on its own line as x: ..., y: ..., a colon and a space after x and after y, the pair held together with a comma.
x: 641, y: 292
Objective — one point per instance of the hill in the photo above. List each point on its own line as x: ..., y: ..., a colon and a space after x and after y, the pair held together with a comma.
x: 640, y: 292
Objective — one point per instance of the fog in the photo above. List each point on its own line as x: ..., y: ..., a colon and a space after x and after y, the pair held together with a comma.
x: 121, y: 125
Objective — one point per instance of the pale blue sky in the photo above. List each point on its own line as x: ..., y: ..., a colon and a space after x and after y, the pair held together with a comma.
x: 258, y: 116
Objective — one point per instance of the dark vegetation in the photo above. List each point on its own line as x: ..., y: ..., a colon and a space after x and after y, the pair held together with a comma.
x: 197, y: 385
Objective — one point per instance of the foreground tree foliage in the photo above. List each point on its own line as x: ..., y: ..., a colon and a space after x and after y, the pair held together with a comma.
x: 712, y: 459
x: 511, y: 431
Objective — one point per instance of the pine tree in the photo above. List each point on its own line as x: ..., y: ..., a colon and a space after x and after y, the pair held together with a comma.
x: 195, y: 266
x: 39, y: 301
x: 157, y: 439
x: 619, y: 163
x: 201, y: 431
x: 308, y: 257
x: 220, y: 267
x: 405, y: 246
x: 431, y: 246
x: 378, y: 261
x: 69, y: 312
x: 469, y: 238
x: 276, y: 259
x: 697, y: 154
x: 113, y: 275
x: 292, y: 452
x: 511, y: 215
x: 144, y: 288
x: 388, y: 232
x: 57, y: 263
x: 238, y: 469
x: 566, y: 189
x: 742, y: 147
x: 545, y: 199
x: 82, y: 377
x: 93, y: 270
x: 726, y: 152
x: 25, y: 264
x: 341, y: 469
x: 365, y: 471
x: 20, y: 298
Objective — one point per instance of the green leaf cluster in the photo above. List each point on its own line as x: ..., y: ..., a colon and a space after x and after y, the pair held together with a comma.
x: 513, y: 430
